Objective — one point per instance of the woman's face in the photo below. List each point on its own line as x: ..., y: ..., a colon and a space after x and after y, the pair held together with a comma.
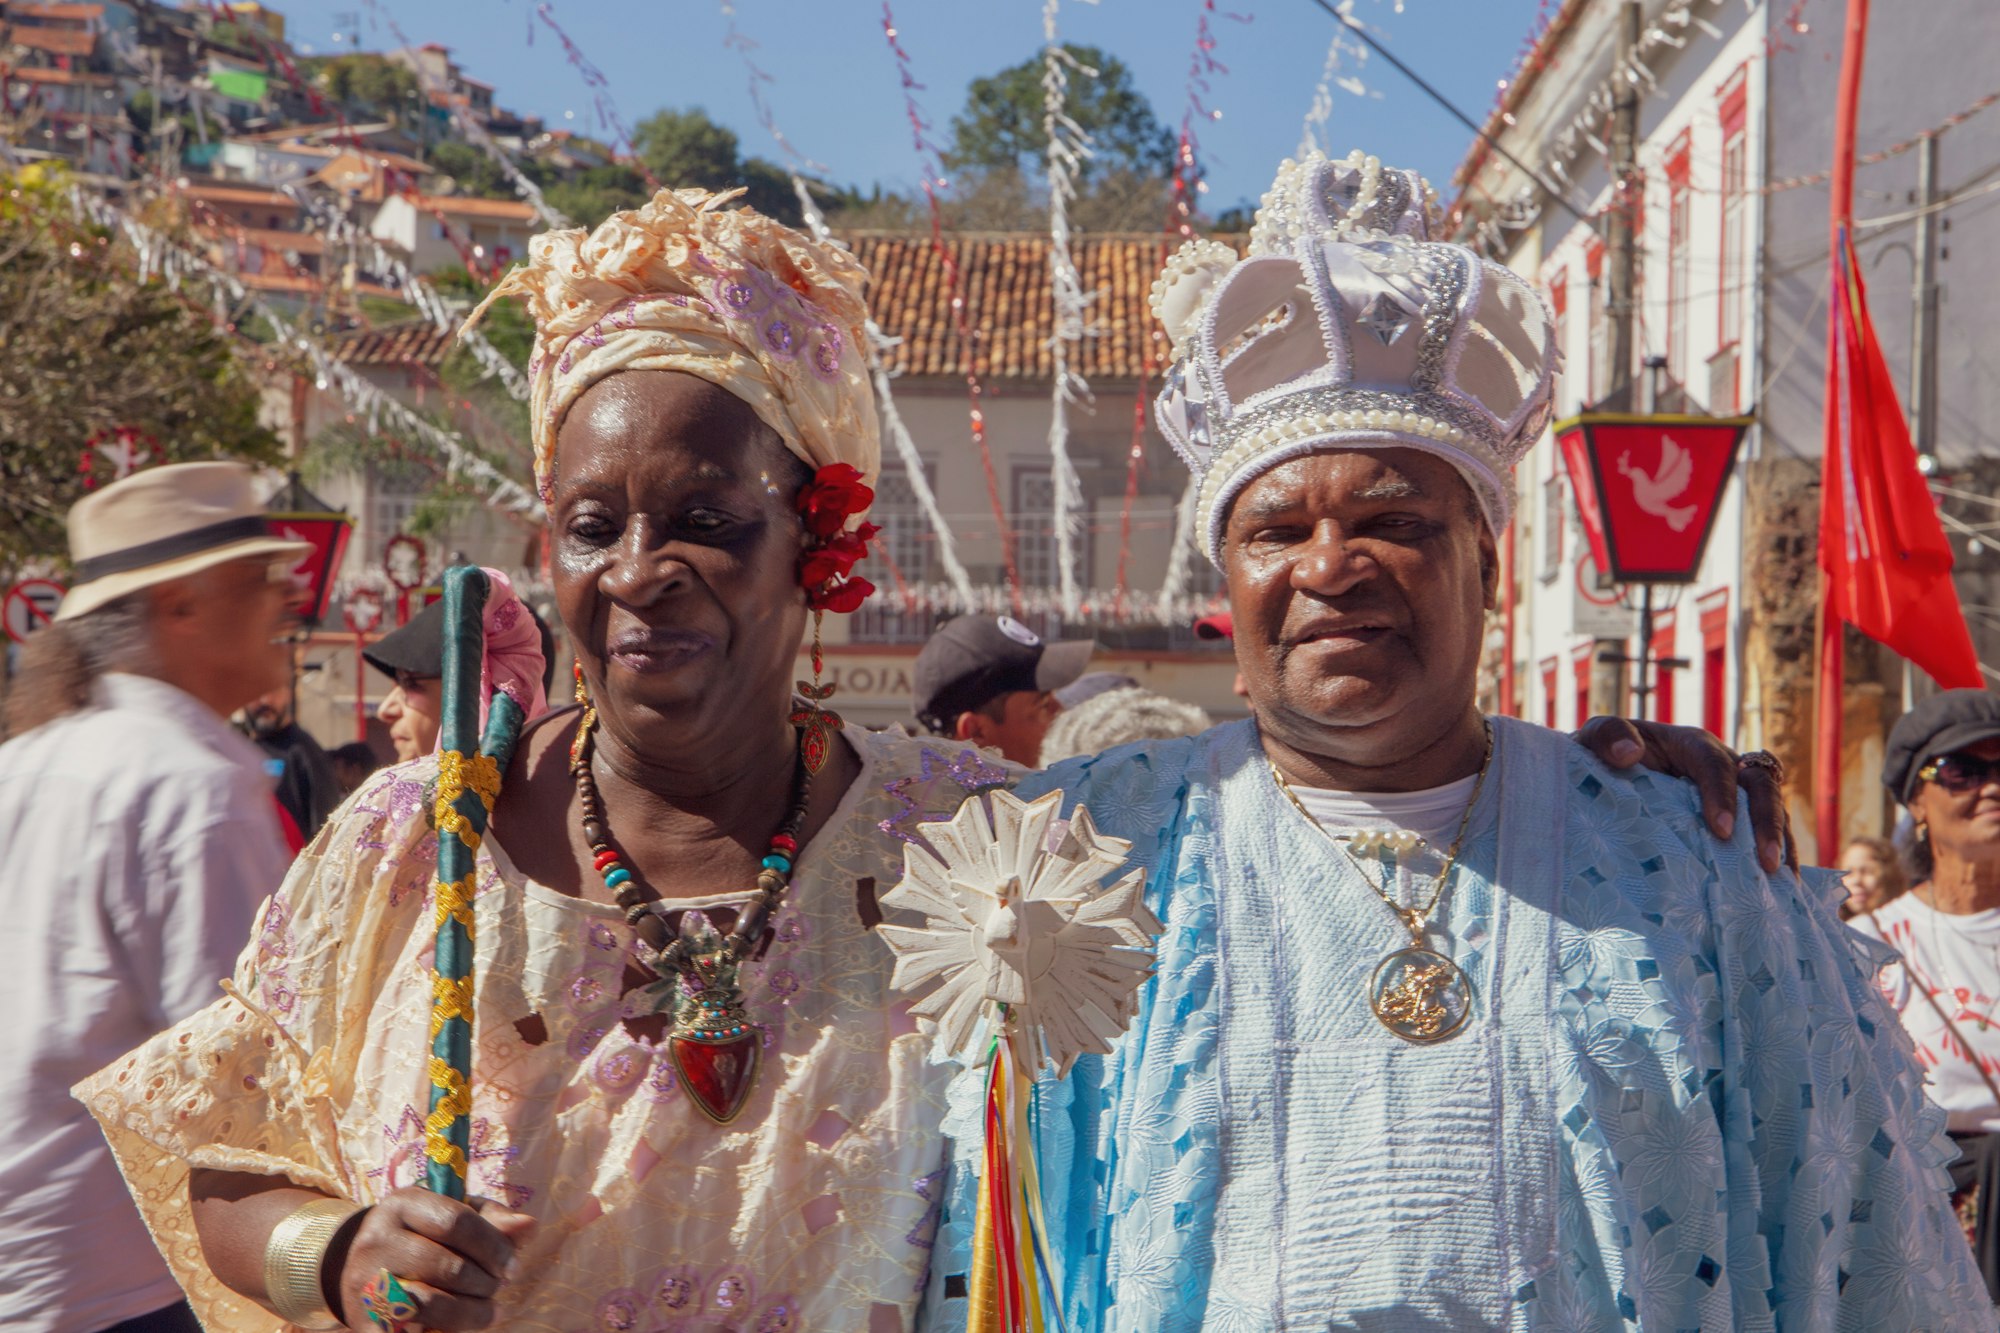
x: 1864, y: 877
x: 675, y: 545
x: 1963, y: 824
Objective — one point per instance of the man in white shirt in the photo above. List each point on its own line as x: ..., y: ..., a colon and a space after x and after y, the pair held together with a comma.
x: 139, y: 836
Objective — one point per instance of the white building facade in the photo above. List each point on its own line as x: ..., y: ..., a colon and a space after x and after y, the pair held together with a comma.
x: 1695, y: 340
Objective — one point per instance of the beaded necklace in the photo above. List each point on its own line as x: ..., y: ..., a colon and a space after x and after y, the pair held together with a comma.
x: 713, y: 1044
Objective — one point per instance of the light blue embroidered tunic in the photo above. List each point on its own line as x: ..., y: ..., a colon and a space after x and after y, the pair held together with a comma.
x: 1679, y: 1102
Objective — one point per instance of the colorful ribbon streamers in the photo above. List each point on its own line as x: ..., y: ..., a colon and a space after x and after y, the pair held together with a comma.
x: 1011, y: 1275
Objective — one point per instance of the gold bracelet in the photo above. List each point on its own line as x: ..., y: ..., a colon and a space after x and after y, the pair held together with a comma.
x: 294, y: 1256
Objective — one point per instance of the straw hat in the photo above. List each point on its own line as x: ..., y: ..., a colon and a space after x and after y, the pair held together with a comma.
x: 164, y: 523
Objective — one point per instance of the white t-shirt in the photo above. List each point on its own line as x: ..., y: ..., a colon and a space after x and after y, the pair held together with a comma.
x: 136, y: 838
x: 1956, y: 959
x: 1433, y: 814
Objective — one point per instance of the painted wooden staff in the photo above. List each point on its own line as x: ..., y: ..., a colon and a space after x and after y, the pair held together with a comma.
x: 468, y: 783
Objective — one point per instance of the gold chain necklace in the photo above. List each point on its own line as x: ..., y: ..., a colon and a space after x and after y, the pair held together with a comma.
x: 1416, y: 992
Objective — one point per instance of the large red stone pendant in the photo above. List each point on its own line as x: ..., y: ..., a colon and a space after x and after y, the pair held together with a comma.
x: 713, y: 1043
x: 716, y: 1073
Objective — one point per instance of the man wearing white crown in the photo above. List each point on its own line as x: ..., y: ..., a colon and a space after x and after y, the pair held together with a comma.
x: 1453, y: 1027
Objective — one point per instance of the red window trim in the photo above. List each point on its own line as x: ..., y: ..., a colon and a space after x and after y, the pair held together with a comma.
x: 1732, y: 99
x: 1714, y: 611
x: 1551, y: 673
x: 1677, y: 160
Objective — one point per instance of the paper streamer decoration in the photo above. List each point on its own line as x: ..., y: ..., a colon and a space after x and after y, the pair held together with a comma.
x: 474, y: 132
x: 1068, y: 147
x: 879, y: 343
x: 159, y: 255
x: 1031, y: 960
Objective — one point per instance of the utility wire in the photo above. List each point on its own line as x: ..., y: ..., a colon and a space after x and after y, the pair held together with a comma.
x: 1355, y: 26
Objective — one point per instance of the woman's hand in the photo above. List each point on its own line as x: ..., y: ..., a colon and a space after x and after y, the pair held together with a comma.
x: 1691, y: 753
x: 452, y: 1257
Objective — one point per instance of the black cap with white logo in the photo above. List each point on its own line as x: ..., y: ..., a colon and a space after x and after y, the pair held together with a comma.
x: 973, y: 660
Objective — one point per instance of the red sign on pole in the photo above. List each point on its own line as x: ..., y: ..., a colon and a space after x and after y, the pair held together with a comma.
x: 1648, y: 488
x: 312, y: 576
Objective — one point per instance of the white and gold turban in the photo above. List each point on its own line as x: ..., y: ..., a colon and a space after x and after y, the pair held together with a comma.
x: 683, y: 283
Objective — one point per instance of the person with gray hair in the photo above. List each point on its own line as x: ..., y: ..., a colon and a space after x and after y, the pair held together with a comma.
x: 1119, y: 717
x: 141, y: 834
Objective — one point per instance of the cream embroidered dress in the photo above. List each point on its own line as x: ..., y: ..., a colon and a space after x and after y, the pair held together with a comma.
x: 814, y: 1210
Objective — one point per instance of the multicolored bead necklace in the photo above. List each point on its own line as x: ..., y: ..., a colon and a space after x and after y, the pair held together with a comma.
x: 713, y: 1044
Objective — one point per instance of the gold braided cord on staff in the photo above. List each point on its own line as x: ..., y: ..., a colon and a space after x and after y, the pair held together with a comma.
x: 457, y: 1101
x: 449, y: 999
x: 454, y: 901
x: 458, y: 774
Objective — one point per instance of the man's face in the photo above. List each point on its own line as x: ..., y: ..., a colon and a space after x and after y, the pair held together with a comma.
x: 230, y: 628
x: 1359, y: 580
x: 1013, y: 723
x: 411, y: 710
x: 269, y: 713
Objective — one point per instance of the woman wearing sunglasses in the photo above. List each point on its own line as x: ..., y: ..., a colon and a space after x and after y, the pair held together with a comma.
x: 1943, y: 763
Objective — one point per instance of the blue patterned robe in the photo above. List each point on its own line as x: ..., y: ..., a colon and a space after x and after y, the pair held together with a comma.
x: 1679, y: 1102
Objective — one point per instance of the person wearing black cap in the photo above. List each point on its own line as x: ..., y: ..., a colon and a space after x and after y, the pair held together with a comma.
x: 1943, y: 763
x: 413, y: 657
x: 992, y: 681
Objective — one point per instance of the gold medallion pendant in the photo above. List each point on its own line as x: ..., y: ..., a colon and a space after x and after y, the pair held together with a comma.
x: 1420, y: 995
x: 1416, y: 992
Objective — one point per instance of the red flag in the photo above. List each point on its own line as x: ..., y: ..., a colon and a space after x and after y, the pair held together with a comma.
x: 1887, y: 563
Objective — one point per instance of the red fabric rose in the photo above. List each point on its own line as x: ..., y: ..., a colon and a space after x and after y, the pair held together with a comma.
x: 835, y: 495
x: 844, y: 597
x: 836, y: 556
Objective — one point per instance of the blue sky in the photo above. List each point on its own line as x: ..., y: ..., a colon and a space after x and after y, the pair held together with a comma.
x: 836, y: 94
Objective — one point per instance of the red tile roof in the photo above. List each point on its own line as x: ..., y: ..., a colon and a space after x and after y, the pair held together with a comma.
x: 218, y: 193
x: 415, y: 340
x: 56, y: 41
x: 1007, y: 285
x: 467, y: 205
x: 1006, y: 279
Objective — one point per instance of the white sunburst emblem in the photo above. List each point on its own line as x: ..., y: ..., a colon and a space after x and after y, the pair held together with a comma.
x: 1024, y: 939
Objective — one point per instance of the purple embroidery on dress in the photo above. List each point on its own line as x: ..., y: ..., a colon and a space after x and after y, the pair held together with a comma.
x: 662, y: 1084
x: 826, y: 358
x: 506, y: 614
x: 619, y: 1311
x: 778, y: 337
x: 924, y: 1235
x: 780, y: 1318
x: 732, y: 1291
x: 602, y: 937
x: 585, y: 989
x: 619, y: 1071
x: 673, y: 1290
x: 968, y: 769
x: 589, y: 1032
x: 784, y: 983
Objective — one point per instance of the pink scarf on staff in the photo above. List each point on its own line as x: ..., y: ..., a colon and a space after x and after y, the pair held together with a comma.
x: 512, y: 658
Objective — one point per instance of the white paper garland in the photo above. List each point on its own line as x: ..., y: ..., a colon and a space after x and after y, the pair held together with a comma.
x: 1069, y: 146
x: 443, y: 314
x: 160, y: 254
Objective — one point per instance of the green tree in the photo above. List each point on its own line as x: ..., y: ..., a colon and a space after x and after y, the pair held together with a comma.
x: 475, y: 172
x: 595, y: 193
x: 374, y: 83
x: 684, y: 148
x: 1001, y: 125
x: 85, y: 348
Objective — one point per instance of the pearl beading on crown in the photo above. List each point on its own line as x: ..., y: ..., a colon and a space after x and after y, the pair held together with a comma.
x: 1359, y: 236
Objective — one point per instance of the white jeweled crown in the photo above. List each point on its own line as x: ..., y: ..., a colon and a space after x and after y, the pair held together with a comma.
x: 1346, y: 326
